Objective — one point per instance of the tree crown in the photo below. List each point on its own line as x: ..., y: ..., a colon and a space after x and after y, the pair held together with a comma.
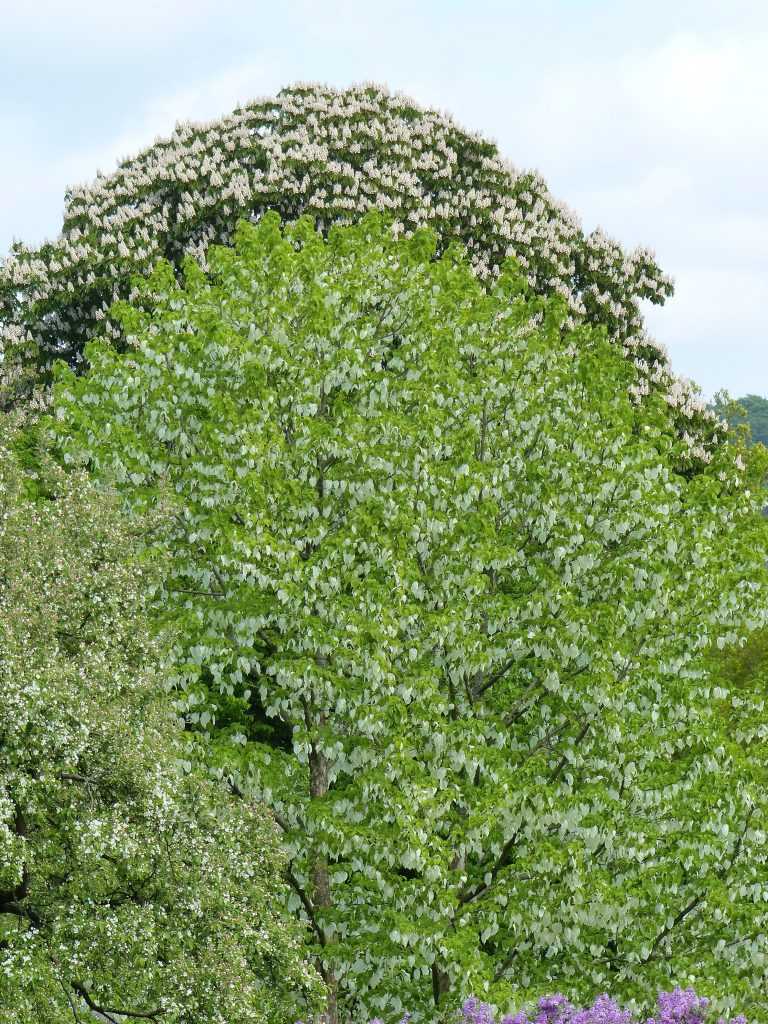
x: 443, y: 601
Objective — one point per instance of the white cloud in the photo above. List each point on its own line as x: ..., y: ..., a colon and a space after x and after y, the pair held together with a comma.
x: 209, y: 98
x: 664, y: 146
x: 669, y: 147
x: 711, y: 91
x: 691, y: 100
x: 33, y: 188
x: 715, y: 323
x: 103, y: 19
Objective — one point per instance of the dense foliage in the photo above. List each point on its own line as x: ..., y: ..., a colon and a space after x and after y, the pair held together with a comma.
x: 124, y: 886
x: 333, y: 155
x: 444, y: 604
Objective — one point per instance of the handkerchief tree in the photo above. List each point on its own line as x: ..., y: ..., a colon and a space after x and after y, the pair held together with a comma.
x: 446, y: 607
x: 333, y: 155
x: 128, y: 890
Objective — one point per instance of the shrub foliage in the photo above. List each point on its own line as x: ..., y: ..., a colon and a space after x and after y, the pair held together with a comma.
x: 127, y: 889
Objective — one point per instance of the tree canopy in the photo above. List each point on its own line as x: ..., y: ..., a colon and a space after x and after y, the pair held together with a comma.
x: 333, y: 155
x: 443, y: 602
x: 128, y: 889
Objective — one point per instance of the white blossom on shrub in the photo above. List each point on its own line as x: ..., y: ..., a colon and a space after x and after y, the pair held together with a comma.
x: 127, y: 888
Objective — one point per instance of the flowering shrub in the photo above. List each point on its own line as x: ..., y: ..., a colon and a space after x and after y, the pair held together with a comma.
x: 682, y: 1006
x: 126, y: 890
x: 332, y: 155
x: 442, y: 601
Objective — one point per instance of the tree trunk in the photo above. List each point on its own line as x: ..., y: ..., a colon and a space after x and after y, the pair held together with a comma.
x: 441, y: 983
x: 321, y: 881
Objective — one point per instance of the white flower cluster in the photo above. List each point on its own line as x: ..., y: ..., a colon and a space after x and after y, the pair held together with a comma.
x: 335, y: 155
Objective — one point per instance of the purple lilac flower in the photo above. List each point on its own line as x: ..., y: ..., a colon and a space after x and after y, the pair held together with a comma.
x: 681, y: 1006
x: 603, y: 1011
x: 475, y: 1012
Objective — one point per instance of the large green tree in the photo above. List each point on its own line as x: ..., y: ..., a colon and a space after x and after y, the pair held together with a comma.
x: 444, y: 605
x: 332, y: 155
x: 128, y: 889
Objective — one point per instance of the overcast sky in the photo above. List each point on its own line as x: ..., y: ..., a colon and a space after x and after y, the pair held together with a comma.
x: 648, y: 117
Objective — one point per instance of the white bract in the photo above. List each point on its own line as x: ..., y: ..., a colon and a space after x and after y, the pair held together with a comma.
x: 448, y: 603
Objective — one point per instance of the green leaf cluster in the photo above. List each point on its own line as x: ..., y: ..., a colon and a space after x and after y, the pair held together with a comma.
x: 751, y: 410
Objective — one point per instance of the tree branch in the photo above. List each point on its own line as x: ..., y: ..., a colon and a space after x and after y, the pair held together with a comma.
x: 72, y: 1006
x: 469, y: 896
x: 725, y: 870
x: 478, y: 691
x: 75, y: 777
x: 17, y: 909
x: 697, y: 900
x: 309, y: 907
x: 688, y: 909
x: 557, y: 770
x: 107, y: 1011
x: 505, y: 964
x: 294, y: 882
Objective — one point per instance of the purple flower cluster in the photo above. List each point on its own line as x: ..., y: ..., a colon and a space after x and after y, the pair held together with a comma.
x: 682, y: 1006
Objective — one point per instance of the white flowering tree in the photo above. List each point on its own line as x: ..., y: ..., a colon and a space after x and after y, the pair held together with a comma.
x: 333, y: 155
x: 128, y: 892
x: 445, y: 606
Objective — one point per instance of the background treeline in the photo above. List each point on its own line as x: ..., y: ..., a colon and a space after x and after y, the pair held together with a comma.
x: 751, y: 410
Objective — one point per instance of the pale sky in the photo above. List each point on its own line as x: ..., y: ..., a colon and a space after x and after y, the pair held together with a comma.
x: 647, y: 118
